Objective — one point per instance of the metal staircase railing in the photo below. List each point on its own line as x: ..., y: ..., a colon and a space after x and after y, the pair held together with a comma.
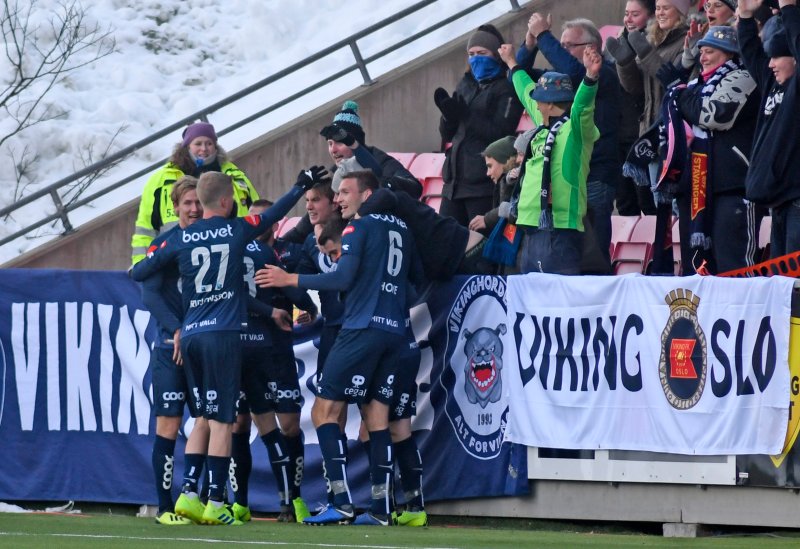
x: 63, y: 209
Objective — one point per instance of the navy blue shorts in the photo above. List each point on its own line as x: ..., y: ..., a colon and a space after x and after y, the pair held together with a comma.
x: 213, y: 364
x: 404, y: 402
x: 169, y: 383
x: 361, y: 366
x: 269, y: 381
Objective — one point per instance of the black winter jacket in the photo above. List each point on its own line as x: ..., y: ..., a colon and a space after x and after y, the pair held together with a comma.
x: 490, y: 110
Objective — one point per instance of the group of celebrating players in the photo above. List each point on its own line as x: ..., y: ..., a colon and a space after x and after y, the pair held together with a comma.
x: 222, y: 289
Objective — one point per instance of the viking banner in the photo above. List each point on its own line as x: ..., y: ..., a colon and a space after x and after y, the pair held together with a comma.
x: 695, y: 365
x: 76, y: 416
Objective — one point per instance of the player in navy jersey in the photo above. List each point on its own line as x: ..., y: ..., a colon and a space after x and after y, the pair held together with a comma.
x: 322, y: 209
x: 269, y: 385
x: 161, y: 295
x: 377, y: 253
x: 210, y: 255
x: 401, y: 409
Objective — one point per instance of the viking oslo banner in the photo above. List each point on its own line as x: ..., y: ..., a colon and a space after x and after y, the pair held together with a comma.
x: 695, y: 365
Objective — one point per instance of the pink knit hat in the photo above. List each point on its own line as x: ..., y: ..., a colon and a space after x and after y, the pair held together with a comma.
x: 681, y: 5
x: 198, y: 129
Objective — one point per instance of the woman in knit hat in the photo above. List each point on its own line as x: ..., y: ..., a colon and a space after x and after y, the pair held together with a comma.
x: 482, y: 109
x: 197, y: 152
x: 500, y: 157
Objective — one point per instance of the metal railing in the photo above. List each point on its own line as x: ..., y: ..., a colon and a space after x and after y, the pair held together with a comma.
x: 63, y: 209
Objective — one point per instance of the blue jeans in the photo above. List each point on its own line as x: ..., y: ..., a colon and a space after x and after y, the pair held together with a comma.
x: 785, y: 235
x: 600, y: 205
x: 556, y: 251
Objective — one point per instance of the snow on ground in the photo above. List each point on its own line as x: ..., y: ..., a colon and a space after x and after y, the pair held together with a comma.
x: 176, y: 57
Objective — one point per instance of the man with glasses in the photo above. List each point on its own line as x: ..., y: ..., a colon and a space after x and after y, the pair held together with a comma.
x: 566, y: 57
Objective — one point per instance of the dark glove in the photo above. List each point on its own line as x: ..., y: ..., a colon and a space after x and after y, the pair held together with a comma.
x: 310, y: 177
x: 639, y: 43
x: 620, y: 50
x: 449, y: 106
x: 337, y: 133
x: 669, y: 75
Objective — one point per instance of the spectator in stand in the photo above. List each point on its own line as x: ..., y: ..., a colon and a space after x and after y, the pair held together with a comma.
x: 500, y: 157
x: 773, y: 174
x: 482, y: 109
x: 566, y: 57
x: 633, y: 199
x: 346, y: 139
x: 552, y: 201
x: 721, y: 106
x: 720, y: 12
x: 196, y: 154
x: 639, y: 56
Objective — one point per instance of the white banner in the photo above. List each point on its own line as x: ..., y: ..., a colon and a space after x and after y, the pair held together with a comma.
x: 693, y: 365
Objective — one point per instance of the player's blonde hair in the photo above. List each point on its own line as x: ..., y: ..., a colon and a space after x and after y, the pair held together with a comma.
x: 213, y: 186
x: 181, y: 187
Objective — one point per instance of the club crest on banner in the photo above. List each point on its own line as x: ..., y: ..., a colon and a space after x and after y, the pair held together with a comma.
x: 683, y: 365
x: 473, y: 368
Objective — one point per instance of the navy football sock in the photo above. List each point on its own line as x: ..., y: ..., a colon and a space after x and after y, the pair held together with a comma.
x: 164, y: 468
x: 217, y: 476
x: 334, y: 455
x: 297, y: 463
x: 241, y: 467
x: 193, y: 468
x: 409, y: 462
x: 279, y: 460
x: 380, y: 469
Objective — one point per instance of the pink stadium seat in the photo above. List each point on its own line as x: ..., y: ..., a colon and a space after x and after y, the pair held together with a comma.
x: 404, y: 158
x: 525, y: 123
x: 288, y: 224
x: 644, y: 230
x: 631, y: 257
x: 432, y: 192
x: 622, y: 227
x: 427, y: 165
x: 764, y: 237
x: 432, y: 187
x: 609, y: 30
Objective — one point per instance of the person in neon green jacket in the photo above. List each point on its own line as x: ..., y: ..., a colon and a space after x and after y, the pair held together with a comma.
x: 552, y: 197
x: 198, y: 152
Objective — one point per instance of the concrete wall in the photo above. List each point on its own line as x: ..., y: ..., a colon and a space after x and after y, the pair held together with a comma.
x: 398, y: 114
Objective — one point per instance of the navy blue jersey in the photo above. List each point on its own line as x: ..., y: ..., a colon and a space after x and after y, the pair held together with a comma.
x: 210, y: 257
x: 261, y: 329
x: 162, y: 296
x: 313, y: 261
x: 289, y: 254
x: 258, y: 333
x: 374, y: 271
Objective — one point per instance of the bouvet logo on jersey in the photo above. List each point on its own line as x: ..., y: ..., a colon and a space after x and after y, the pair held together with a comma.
x: 682, y: 368
x: 472, y: 373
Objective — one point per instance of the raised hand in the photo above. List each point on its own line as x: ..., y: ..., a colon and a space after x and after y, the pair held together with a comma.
x: 506, y: 52
x: 538, y: 23
x: 593, y: 61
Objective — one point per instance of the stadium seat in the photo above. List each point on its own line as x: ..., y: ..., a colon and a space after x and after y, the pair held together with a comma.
x: 609, y: 30
x: 432, y: 192
x: 525, y: 123
x: 427, y: 165
x: 631, y: 257
x: 404, y: 158
x: 676, y: 247
x: 764, y: 232
x: 288, y: 224
x: 644, y: 230
x: 622, y: 227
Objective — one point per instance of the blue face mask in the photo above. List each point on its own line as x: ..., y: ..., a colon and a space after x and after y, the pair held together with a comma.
x: 484, y: 67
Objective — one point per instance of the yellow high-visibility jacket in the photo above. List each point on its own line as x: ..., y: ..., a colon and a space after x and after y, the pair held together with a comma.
x: 156, y: 213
